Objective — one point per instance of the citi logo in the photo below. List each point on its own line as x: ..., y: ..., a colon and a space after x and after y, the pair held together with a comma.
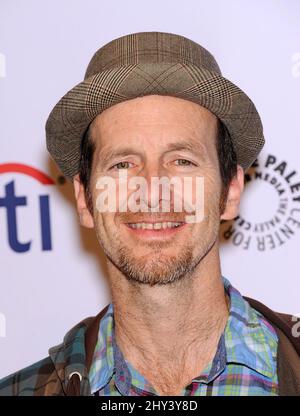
x: 14, y: 203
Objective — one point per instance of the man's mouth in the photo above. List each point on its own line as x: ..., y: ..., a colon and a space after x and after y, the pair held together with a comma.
x: 154, y: 225
x: 155, y: 230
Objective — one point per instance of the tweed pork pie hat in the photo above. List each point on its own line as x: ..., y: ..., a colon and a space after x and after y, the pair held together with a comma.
x: 147, y: 63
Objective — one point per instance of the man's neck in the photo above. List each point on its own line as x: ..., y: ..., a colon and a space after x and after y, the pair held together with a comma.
x: 169, y: 333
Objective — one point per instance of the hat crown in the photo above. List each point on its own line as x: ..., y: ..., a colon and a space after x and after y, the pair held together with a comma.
x: 150, y: 47
x: 144, y: 63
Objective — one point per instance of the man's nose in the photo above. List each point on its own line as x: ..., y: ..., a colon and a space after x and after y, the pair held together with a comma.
x: 155, y: 193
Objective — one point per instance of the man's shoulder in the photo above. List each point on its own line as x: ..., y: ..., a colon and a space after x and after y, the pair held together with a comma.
x: 285, y: 324
x: 33, y: 380
x: 29, y: 380
x: 46, y: 377
x: 288, y: 358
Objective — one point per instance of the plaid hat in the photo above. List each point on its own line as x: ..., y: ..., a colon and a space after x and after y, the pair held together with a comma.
x: 146, y: 63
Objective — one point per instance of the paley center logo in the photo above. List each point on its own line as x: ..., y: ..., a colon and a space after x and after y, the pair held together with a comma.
x: 13, y: 201
x: 270, y: 207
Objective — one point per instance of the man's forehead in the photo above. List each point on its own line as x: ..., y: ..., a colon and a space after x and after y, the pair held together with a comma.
x: 154, y: 107
x: 117, y: 140
x: 190, y: 144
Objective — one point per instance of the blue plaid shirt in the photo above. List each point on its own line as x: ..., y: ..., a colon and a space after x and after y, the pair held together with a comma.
x: 244, y: 364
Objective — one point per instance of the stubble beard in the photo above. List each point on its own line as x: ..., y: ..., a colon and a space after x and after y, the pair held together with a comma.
x: 156, y: 267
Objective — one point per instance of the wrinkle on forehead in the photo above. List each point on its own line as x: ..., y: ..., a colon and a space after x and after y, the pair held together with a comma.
x: 153, y: 119
x: 154, y: 108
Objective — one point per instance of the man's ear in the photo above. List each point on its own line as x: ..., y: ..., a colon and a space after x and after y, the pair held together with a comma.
x: 234, y: 195
x: 85, y: 217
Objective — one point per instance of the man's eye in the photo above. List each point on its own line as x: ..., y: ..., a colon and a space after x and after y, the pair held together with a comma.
x: 120, y: 165
x: 185, y: 162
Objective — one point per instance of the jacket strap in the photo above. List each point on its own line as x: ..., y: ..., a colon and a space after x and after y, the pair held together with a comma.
x: 73, y: 387
x: 91, y: 337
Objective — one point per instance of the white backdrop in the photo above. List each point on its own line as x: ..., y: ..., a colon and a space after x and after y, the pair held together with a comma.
x: 52, y: 271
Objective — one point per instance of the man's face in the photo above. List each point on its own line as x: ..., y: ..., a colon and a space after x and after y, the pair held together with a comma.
x: 156, y: 136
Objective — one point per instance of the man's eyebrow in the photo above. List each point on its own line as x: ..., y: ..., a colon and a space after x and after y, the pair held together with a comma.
x: 194, y: 146
x: 106, y: 155
x: 190, y: 145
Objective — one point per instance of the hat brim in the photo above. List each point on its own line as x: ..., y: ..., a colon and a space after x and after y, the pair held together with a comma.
x: 73, y: 113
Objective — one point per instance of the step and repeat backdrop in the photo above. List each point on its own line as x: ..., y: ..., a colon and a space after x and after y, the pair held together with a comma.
x: 52, y: 270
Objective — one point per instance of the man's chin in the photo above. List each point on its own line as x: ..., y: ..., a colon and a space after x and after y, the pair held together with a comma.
x: 157, y: 270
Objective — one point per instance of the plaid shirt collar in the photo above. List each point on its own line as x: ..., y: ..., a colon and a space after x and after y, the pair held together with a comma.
x: 246, y: 340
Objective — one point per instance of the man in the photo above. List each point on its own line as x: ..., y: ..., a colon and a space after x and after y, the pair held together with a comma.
x: 155, y: 105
